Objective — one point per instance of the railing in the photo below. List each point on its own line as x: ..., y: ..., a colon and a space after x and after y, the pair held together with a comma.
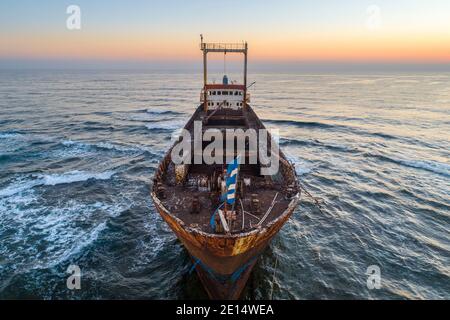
x: 223, y: 46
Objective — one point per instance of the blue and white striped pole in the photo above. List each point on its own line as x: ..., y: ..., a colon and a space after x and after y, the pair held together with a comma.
x: 232, y: 174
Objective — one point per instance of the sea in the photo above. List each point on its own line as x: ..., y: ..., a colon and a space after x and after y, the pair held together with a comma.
x: 78, y: 150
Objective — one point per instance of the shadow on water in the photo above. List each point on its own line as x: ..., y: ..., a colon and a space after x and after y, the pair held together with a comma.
x: 190, y: 284
x: 259, y: 285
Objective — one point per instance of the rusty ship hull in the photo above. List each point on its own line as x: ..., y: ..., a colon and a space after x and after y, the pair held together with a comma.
x: 192, y: 196
x: 226, y: 261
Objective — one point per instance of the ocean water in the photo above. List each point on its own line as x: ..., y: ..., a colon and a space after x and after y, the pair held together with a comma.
x: 78, y: 151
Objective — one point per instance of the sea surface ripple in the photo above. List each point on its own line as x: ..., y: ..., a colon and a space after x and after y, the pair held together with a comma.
x: 78, y: 151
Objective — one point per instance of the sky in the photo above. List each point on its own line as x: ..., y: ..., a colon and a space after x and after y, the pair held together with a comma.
x: 281, y: 32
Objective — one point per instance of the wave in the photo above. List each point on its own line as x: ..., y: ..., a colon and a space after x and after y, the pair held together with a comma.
x: 82, y: 242
x: 301, y: 170
x: 302, y: 167
x: 31, y: 137
x: 9, y: 135
x: 101, y: 113
x: 58, y: 229
x: 162, y: 112
x: 433, y: 166
x: 428, y: 165
x: 73, y: 176
x: 52, y: 180
x: 317, y: 143
x: 97, y: 126
x: 148, y: 115
x: 344, y: 128
x: 166, y: 126
x: 293, y: 142
x: 101, y: 145
x: 299, y: 124
x: 108, y: 146
x: 7, y: 157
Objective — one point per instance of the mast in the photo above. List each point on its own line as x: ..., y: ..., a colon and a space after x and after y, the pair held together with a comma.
x: 205, y: 74
x: 245, y: 74
x: 221, y: 48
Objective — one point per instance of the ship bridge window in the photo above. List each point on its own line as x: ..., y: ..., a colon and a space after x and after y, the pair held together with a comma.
x: 219, y: 93
x: 236, y: 93
x: 225, y: 93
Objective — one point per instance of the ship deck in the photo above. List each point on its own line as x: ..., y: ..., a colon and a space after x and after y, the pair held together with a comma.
x: 271, y: 191
x: 179, y: 200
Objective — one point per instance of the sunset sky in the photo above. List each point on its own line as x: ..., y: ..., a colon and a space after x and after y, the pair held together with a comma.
x: 402, y: 31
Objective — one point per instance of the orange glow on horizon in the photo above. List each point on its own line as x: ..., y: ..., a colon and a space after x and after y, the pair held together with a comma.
x: 305, y: 47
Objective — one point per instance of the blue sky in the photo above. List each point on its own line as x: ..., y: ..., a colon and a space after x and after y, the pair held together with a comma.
x: 277, y: 30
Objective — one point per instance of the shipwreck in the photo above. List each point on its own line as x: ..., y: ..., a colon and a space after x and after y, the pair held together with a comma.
x: 225, y: 212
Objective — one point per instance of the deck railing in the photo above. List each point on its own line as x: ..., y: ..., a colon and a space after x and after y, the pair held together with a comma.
x: 223, y: 46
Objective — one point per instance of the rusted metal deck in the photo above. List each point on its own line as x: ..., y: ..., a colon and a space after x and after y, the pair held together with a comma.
x: 224, y: 261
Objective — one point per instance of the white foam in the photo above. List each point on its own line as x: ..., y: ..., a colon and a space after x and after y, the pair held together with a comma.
x: 17, y: 187
x: 155, y: 111
x: 429, y: 165
x: 110, y: 146
x: 103, y: 145
x: 69, y: 143
x: 302, y: 167
x: 166, y: 125
x: 79, y: 242
x: 10, y: 135
x: 76, y: 146
x: 139, y: 117
x: 73, y: 176
x: 159, y: 111
x: 120, y: 148
x: 57, y: 229
x: 52, y: 180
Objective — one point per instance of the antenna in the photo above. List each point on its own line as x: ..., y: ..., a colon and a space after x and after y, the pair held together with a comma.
x: 225, y: 63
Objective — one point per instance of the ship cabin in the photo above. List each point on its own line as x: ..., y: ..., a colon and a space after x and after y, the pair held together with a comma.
x: 228, y: 96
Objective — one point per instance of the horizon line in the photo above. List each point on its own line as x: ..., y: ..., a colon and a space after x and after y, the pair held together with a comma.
x: 196, y: 65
